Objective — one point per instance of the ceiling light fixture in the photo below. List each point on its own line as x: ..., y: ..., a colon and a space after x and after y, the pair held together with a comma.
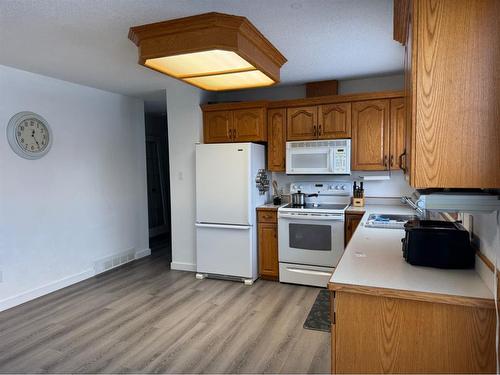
x: 213, y: 51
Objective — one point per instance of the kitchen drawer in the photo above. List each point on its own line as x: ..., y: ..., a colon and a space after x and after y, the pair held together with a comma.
x: 267, y: 216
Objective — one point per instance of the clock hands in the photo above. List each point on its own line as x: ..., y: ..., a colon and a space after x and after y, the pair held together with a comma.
x: 33, y: 135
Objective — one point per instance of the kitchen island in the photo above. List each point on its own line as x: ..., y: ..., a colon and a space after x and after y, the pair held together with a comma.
x: 390, y: 316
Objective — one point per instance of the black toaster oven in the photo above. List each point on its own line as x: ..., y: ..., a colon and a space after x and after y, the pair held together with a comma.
x: 440, y: 244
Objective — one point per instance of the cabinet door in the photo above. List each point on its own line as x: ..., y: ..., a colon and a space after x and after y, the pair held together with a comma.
x: 409, y: 72
x: 268, y: 250
x: 397, y: 132
x: 249, y: 125
x: 301, y: 123
x: 217, y: 126
x: 351, y: 223
x: 334, y: 121
x: 276, y: 139
x: 370, y: 135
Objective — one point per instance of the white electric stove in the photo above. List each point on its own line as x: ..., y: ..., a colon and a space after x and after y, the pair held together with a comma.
x: 311, y: 237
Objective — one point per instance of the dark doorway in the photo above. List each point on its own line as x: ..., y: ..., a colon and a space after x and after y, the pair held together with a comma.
x: 158, y: 177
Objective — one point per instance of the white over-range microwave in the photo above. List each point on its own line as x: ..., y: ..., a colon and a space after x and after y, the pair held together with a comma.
x: 319, y: 157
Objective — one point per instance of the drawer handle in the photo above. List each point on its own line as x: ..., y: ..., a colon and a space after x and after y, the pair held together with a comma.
x: 309, y: 272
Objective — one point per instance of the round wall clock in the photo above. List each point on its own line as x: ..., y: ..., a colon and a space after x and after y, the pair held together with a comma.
x: 29, y: 135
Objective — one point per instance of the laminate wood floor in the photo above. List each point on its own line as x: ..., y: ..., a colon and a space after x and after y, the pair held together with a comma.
x: 145, y: 318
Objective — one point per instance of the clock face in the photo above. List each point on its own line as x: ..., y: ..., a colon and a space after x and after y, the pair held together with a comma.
x: 32, y: 135
x: 29, y: 135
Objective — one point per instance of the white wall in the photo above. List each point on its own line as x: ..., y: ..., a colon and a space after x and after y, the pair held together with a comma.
x: 487, y: 233
x: 348, y: 86
x: 394, y: 188
x: 85, y: 200
x: 270, y: 93
x: 184, y: 131
x: 371, y: 84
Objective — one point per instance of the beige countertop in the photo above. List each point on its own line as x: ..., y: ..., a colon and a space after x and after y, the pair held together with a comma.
x: 373, y: 264
x: 271, y: 206
x: 353, y: 209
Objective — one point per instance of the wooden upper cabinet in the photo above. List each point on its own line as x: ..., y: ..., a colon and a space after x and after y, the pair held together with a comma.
x: 234, y: 123
x: 370, y: 135
x: 217, y: 126
x: 453, y: 83
x: 408, y: 99
x: 249, y: 125
x: 301, y: 123
x: 397, y: 133
x: 276, y: 138
x: 334, y: 121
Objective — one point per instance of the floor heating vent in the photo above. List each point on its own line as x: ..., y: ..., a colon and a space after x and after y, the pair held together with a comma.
x: 105, y: 264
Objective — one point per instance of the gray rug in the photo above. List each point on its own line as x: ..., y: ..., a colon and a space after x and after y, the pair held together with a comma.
x: 319, y: 316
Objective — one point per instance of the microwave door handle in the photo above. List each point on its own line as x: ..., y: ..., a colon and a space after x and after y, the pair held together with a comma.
x: 331, y: 166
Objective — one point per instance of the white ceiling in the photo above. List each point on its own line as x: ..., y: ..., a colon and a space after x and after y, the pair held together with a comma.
x: 85, y: 41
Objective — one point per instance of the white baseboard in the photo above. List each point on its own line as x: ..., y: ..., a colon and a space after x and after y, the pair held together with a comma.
x: 29, y: 295
x: 181, y: 266
x: 142, y: 253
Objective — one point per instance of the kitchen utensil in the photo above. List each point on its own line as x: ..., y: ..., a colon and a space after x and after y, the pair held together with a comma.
x: 299, y: 198
x: 275, y: 188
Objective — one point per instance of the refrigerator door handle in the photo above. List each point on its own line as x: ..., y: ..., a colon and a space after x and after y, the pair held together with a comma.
x: 222, y: 226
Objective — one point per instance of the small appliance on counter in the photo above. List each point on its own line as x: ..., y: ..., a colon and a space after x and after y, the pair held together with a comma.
x: 439, y: 244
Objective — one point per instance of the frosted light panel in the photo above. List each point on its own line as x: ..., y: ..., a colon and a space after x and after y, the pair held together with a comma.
x: 200, y: 63
x: 254, y: 78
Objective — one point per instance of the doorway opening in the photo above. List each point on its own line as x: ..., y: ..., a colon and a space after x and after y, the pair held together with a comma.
x: 158, y: 175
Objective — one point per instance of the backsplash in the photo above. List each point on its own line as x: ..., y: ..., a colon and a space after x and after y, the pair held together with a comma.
x: 396, y: 186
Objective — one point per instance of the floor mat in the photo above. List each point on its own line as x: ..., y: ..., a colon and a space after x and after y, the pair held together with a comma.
x: 319, y: 316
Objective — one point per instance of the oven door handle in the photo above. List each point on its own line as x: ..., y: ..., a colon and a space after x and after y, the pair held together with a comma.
x: 308, y: 272
x: 312, y: 217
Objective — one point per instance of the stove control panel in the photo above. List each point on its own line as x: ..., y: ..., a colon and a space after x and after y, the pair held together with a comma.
x: 322, y: 188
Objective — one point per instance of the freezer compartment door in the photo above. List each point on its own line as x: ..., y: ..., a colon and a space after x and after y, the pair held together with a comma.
x: 226, y: 250
x: 223, y: 183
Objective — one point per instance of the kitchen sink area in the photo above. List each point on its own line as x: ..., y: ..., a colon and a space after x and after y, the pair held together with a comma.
x: 389, y: 221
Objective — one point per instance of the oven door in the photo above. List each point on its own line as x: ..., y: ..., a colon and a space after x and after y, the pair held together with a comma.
x: 311, y: 239
x: 309, y: 160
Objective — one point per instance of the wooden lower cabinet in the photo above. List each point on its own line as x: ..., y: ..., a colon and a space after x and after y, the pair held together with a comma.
x: 376, y: 334
x: 267, y: 232
x: 352, y: 221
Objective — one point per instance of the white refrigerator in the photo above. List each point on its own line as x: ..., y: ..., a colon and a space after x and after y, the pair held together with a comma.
x: 226, y: 198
